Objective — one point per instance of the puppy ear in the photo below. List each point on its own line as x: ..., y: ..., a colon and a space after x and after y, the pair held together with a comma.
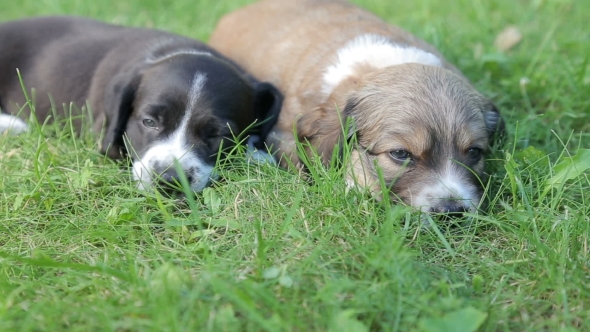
x: 494, y: 123
x: 322, y: 129
x: 118, y: 106
x: 267, y: 106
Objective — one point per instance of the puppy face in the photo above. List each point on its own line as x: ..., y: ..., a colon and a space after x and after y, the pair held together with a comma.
x: 425, y: 130
x: 184, y: 112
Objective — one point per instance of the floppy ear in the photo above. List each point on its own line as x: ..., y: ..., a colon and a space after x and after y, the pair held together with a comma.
x: 118, y: 106
x: 494, y: 123
x: 322, y: 129
x: 267, y: 106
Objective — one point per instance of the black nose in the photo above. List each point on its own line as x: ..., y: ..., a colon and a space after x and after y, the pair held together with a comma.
x: 170, y: 179
x: 450, y: 210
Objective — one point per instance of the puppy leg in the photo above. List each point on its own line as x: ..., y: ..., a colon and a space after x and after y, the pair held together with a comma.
x: 255, y: 155
x: 12, y: 124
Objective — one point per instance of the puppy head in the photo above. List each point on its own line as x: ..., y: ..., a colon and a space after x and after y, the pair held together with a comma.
x: 183, y: 109
x: 424, y: 129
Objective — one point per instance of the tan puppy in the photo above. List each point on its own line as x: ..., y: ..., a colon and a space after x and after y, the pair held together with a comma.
x: 417, y: 120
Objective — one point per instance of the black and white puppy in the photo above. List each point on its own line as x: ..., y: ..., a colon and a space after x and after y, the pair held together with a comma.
x: 158, y: 97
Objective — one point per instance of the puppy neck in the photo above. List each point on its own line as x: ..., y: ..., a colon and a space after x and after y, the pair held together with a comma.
x: 369, y: 52
x: 166, y: 48
x: 175, y: 53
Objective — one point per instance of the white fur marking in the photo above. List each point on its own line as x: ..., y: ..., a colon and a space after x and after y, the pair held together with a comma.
x: 176, y: 148
x: 452, y: 186
x: 194, y: 95
x: 12, y: 124
x: 377, y: 51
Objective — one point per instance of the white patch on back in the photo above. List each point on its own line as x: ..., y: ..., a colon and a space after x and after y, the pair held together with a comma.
x: 452, y: 186
x: 377, y: 51
x: 176, y: 148
x: 12, y: 124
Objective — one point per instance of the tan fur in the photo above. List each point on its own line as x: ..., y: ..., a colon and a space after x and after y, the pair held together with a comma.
x: 431, y: 112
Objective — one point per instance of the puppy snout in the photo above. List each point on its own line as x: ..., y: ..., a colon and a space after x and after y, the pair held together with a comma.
x: 171, y: 179
x: 450, y: 210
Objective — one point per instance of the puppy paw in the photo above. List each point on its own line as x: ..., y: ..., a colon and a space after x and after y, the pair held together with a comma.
x: 258, y: 156
x: 12, y: 124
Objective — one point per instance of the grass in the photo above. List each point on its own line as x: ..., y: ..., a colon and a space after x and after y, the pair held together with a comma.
x: 81, y: 249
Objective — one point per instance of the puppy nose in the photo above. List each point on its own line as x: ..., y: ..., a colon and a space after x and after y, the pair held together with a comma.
x: 450, y: 210
x: 171, y: 178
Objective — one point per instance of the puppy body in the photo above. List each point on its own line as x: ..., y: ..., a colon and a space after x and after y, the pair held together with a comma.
x: 416, y: 118
x: 173, y: 98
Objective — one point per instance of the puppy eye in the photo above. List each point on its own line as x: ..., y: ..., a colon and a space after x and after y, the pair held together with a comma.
x: 149, y: 123
x: 474, y: 153
x: 401, y: 155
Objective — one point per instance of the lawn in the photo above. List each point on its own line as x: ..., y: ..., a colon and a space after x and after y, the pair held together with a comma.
x: 263, y: 250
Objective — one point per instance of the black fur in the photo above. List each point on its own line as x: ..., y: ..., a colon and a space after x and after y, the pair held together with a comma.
x: 78, y: 60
